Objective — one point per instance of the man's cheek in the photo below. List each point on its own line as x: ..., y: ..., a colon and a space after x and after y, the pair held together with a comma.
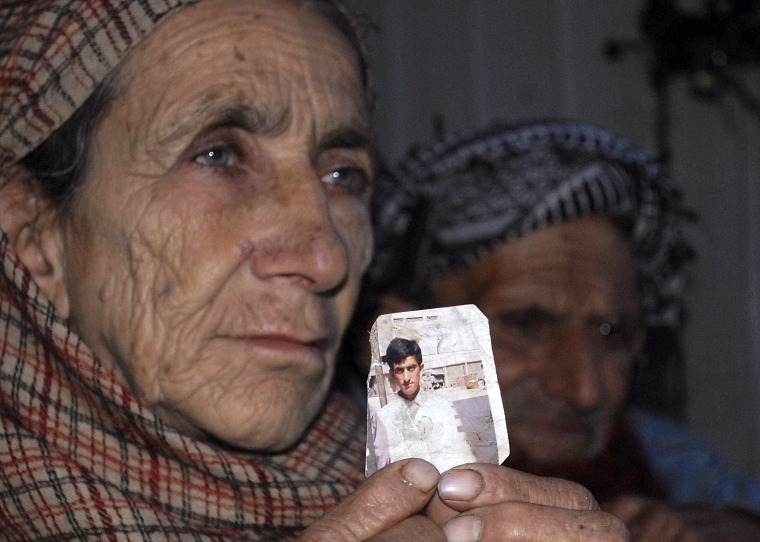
x: 509, y: 367
x: 616, y: 383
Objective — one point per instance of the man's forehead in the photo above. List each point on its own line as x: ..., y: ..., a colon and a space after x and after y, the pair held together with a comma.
x: 584, y: 297
x: 406, y: 362
x: 583, y: 252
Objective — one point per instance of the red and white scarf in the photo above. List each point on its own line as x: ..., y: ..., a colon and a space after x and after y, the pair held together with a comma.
x: 82, y: 458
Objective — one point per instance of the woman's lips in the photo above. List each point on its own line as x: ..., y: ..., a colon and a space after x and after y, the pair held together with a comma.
x: 287, y: 348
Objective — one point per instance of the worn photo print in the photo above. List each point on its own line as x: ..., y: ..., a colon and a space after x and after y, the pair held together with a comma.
x: 432, y: 390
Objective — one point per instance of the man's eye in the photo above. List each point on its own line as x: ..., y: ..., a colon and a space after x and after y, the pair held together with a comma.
x: 350, y: 179
x: 612, y: 333
x: 526, y: 324
x: 610, y: 327
x: 523, y: 330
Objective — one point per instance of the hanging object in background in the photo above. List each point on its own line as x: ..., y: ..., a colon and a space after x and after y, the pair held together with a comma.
x: 708, y: 47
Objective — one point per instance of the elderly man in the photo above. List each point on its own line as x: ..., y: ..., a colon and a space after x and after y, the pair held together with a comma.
x: 569, y: 240
x: 183, y: 206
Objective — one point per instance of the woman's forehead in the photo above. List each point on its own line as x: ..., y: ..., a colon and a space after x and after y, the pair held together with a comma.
x: 249, y: 74
x: 249, y: 42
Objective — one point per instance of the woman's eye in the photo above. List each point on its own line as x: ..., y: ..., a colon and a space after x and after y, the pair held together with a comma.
x: 219, y: 156
x: 351, y: 179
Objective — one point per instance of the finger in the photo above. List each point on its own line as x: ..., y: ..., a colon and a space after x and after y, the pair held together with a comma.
x: 649, y: 521
x: 476, y: 485
x: 414, y: 529
x: 661, y: 526
x: 391, y: 495
x: 652, y: 521
x: 626, y: 507
x: 530, y: 522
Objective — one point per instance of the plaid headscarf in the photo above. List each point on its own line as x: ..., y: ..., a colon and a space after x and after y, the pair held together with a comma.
x: 446, y: 205
x: 54, y: 53
x: 80, y: 456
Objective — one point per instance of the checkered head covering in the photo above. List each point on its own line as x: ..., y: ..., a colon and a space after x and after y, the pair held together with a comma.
x: 54, y: 53
x: 448, y: 204
x: 81, y: 457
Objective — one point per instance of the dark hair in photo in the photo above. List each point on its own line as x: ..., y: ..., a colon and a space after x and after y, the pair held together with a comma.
x: 399, y: 349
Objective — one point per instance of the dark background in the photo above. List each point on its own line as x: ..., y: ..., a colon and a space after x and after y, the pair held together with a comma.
x: 445, y: 65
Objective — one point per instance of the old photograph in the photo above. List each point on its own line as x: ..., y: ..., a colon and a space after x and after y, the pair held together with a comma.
x: 432, y: 390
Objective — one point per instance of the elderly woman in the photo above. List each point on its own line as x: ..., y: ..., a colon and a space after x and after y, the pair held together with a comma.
x: 570, y: 241
x: 183, y: 203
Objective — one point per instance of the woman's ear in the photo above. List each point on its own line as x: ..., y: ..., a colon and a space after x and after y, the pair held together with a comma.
x: 35, y: 233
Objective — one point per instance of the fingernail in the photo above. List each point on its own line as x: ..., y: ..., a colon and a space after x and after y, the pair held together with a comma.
x: 463, y: 529
x: 420, y: 475
x: 460, y: 485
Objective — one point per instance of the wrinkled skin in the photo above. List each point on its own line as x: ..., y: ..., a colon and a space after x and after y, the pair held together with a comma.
x: 214, y: 253
x: 478, y: 502
x: 546, y: 295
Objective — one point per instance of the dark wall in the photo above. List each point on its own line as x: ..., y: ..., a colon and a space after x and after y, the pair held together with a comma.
x: 468, y: 62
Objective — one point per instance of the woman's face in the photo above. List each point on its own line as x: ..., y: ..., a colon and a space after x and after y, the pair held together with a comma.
x: 214, y: 254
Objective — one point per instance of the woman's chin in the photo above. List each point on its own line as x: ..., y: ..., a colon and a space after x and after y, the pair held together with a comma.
x: 259, y: 418
x: 272, y: 429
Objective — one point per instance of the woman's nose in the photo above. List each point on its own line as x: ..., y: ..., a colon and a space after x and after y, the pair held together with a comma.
x: 302, y: 243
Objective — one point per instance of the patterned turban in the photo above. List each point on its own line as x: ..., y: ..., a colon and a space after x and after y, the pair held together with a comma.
x: 54, y: 53
x: 448, y: 204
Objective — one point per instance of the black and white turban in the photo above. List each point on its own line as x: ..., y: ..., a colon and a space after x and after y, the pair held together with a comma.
x: 446, y: 205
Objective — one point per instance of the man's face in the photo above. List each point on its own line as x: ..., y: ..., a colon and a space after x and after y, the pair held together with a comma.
x: 406, y: 373
x: 214, y: 255
x: 561, y: 304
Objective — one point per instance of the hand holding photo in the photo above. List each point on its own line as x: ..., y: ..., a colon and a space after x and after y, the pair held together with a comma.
x: 432, y: 391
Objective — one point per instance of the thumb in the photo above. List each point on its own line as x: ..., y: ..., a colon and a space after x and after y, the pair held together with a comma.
x: 391, y: 495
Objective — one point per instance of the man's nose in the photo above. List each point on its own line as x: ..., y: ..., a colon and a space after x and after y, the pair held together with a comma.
x: 572, y: 368
x: 303, y: 243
